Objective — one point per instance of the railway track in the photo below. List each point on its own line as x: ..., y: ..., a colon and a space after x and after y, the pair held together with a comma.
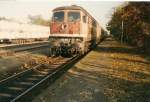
x: 16, y: 88
x: 25, y: 47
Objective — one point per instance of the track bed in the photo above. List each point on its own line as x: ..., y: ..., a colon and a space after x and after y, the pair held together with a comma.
x: 17, y: 87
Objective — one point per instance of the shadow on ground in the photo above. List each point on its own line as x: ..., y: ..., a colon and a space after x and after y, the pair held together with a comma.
x: 123, y: 49
x: 116, y: 89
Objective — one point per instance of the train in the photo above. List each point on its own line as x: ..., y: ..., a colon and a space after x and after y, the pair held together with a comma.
x: 73, y: 31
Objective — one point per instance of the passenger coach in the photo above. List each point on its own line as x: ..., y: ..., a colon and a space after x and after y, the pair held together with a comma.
x: 73, y: 31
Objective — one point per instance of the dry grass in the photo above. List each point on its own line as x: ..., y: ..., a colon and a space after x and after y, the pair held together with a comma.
x: 120, y: 70
x: 35, y: 59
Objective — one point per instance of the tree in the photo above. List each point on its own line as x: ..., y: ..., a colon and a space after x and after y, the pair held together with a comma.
x: 135, y: 16
x: 38, y: 20
x: 114, y: 25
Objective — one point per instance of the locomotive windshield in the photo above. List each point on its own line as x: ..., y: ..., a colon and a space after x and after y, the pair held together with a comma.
x: 73, y: 16
x: 58, y: 17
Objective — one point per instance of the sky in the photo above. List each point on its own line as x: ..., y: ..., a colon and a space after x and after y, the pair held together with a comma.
x: 20, y: 9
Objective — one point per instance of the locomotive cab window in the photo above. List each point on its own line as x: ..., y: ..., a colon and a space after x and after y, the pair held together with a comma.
x: 94, y: 24
x: 84, y: 19
x: 73, y: 16
x: 58, y: 17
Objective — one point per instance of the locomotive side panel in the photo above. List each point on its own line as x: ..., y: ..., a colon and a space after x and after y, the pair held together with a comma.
x: 98, y: 34
x: 89, y: 29
x: 84, y: 25
x: 93, y: 33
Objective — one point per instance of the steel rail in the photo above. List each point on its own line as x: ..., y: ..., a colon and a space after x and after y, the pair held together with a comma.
x: 59, y: 69
x: 44, y: 79
x: 18, y: 74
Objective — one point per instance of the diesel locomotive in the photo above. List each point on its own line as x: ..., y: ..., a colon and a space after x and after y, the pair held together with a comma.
x: 73, y: 31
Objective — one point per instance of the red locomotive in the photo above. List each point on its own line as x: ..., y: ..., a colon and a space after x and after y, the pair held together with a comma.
x: 73, y: 31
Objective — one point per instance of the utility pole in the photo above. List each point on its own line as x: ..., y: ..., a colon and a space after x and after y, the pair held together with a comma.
x: 122, y: 31
x: 122, y: 26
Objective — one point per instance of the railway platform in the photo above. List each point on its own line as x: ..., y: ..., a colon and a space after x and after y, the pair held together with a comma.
x: 112, y: 72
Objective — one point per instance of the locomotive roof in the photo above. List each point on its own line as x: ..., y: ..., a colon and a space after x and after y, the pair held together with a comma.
x: 73, y: 7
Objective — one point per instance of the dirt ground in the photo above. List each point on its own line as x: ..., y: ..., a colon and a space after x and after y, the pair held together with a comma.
x: 110, y: 73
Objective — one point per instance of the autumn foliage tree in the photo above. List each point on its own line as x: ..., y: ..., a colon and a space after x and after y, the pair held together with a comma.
x: 115, y: 23
x: 136, y: 24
